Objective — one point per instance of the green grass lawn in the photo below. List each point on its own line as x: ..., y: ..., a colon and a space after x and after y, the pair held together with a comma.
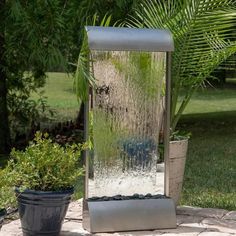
x: 212, y: 100
x: 210, y: 174
x: 61, y: 96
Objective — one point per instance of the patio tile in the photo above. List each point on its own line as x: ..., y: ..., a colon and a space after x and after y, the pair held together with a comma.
x: 188, y: 219
x: 230, y: 216
x: 133, y: 233
x: 214, y: 234
x: 183, y: 230
x: 72, y: 228
x: 11, y: 229
x: 74, y: 210
x: 224, y: 226
x: 202, y: 212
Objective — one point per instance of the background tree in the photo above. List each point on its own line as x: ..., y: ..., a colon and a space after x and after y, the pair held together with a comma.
x: 35, y: 37
x: 31, y: 40
x: 4, y: 126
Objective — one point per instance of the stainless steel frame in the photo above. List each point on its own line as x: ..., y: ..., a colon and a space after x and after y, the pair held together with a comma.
x: 167, y: 123
x: 85, y: 154
x: 143, y: 214
x: 129, y: 39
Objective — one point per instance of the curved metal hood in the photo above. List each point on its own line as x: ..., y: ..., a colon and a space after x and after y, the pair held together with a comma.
x: 129, y: 39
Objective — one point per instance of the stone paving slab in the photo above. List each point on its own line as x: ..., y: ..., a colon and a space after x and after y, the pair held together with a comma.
x: 191, y: 221
x: 204, y: 212
x: 230, y: 216
x: 227, y: 226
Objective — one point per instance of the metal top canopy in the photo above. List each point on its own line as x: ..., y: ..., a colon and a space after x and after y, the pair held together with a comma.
x: 129, y: 39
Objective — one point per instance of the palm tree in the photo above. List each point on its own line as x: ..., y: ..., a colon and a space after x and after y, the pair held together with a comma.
x: 203, y: 36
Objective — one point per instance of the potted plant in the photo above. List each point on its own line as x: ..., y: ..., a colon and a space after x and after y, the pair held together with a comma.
x: 44, y: 176
x: 177, y: 155
x: 203, y: 40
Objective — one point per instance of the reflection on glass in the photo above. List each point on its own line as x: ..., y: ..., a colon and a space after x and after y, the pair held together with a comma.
x: 127, y: 118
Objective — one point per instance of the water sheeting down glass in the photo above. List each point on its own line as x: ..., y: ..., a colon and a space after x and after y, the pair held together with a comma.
x: 127, y: 116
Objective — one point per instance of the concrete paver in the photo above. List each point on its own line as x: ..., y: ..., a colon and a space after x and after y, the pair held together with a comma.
x: 230, y: 216
x: 191, y: 221
x: 214, y: 234
x: 204, y: 212
x: 220, y: 225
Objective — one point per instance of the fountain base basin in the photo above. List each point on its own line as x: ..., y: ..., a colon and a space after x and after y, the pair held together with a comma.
x: 128, y: 215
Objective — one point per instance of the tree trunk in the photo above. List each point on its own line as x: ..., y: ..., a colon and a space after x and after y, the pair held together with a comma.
x: 4, y: 124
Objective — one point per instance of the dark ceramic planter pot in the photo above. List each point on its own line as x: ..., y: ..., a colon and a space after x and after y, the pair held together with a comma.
x: 42, y: 213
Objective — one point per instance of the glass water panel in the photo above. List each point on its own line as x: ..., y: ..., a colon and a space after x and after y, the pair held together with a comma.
x: 127, y: 116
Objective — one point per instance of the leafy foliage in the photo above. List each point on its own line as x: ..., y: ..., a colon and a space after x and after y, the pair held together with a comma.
x: 203, y: 36
x: 26, y: 113
x: 36, y: 37
x: 45, y: 35
x: 44, y: 166
x: 180, y: 135
x: 84, y: 75
x: 119, y: 9
x: 7, y: 196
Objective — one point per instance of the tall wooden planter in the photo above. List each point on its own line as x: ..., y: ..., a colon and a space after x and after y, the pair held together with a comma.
x: 178, y: 152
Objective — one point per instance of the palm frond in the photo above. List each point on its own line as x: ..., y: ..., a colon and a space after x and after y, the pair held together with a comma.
x: 203, y: 36
x: 84, y: 77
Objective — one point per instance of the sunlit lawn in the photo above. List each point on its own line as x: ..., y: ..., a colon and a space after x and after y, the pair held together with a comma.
x: 212, y: 100
x: 61, y: 96
x: 210, y: 175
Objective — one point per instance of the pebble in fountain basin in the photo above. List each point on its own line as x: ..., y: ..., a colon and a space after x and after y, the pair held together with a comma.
x: 132, y: 197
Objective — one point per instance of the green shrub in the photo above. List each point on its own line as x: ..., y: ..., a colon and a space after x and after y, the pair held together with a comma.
x: 44, y: 166
x: 7, y: 196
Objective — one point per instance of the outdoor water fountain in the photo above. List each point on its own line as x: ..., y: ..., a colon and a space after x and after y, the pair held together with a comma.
x: 127, y: 118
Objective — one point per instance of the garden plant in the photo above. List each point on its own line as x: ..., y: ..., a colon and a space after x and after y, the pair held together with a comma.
x: 203, y: 37
x: 45, y: 173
